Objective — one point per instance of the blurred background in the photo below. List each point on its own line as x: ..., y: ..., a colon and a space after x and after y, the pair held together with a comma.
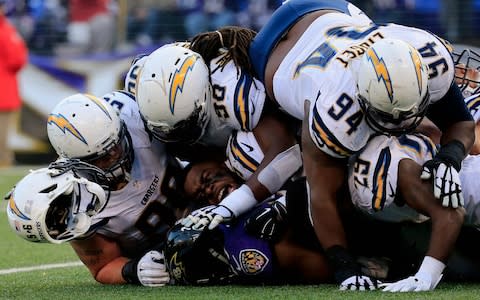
x: 87, y: 45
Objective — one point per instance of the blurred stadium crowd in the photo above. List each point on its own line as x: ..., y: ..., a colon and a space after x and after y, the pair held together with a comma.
x: 56, y: 27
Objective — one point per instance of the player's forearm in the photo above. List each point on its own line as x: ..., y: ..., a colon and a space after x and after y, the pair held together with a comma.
x: 463, y: 132
x: 446, y: 225
x: 326, y: 221
x: 111, y: 273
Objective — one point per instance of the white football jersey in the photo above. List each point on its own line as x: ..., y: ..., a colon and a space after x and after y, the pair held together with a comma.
x: 133, y: 212
x: 473, y: 105
x: 237, y: 102
x: 470, y: 186
x: 373, y: 175
x: 244, y: 154
x: 373, y: 178
x: 319, y: 68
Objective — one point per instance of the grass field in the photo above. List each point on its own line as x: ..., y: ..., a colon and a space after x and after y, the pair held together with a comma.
x: 19, y: 281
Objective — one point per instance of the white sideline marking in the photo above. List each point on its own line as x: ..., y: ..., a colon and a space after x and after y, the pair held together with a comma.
x: 41, y: 267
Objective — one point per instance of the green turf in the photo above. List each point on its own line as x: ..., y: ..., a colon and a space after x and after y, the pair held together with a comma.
x: 76, y: 282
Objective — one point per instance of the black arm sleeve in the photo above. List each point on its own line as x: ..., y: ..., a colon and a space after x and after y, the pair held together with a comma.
x: 129, y: 271
x: 450, y: 109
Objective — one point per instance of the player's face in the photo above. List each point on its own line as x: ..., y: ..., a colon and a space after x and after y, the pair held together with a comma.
x: 110, y: 158
x: 471, y: 76
x: 209, y: 182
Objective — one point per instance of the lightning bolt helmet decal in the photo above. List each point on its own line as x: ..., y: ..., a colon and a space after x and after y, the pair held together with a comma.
x: 64, y: 125
x: 178, y: 79
x: 381, y: 70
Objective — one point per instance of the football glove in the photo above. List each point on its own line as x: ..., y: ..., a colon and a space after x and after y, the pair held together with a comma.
x: 427, y: 278
x: 151, y: 270
x: 235, y: 204
x: 418, y: 283
x: 210, y: 216
x: 268, y: 222
x: 444, y: 168
x: 347, y: 271
x: 359, y: 283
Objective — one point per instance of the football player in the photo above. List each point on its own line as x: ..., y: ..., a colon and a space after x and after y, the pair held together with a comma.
x: 123, y: 243
x: 383, y: 182
x: 228, y: 254
x: 183, y: 100
x: 281, y: 222
x: 467, y: 65
x: 321, y: 61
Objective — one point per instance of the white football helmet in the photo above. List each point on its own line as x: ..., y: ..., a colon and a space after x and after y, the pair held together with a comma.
x: 392, y: 83
x: 45, y: 206
x: 88, y: 128
x: 131, y: 78
x: 174, y: 94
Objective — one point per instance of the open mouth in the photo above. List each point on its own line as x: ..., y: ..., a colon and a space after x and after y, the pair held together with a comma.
x: 224, y: 192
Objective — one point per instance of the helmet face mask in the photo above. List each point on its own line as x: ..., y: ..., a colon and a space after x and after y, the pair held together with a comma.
x: 382, y: 122
x: 174, y: 94
x: 82, y: 169
x: 116, y: 160
x: 46, y: 206
x: 467, y: 72
x: 392, y: 86
x: 187, y: 131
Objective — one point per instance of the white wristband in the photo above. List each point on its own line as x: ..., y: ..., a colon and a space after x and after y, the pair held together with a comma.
x: 281, y: 168
x: 240, y: 200
x: 432, y: 266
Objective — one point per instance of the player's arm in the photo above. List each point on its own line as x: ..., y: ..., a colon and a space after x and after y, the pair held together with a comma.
x: 451, y: 116
x: 325, y: 176
x: 300, y: 264
x: 282, y: 157
x: 446, y: 225
x: 446, y: 221
x: 476, y: 145
x: 102, y: 257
